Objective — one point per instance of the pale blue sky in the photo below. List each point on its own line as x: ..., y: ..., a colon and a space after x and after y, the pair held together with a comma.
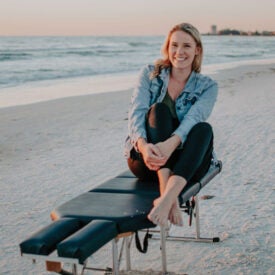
x: 130, y: 17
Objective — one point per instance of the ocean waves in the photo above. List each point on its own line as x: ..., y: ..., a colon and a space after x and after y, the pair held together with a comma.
x: 6, y: 56
x: 29, y: 59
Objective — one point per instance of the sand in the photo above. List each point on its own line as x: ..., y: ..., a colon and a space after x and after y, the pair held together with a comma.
x: 54, y: 150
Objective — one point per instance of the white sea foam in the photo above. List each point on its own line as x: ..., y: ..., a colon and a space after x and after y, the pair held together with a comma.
x: 33, y: 92
x: 54, y: 89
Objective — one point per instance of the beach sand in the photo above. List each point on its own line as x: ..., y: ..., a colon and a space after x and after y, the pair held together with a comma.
x: 53, y: 151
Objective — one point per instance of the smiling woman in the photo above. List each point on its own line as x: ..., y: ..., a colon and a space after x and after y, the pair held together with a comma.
x: 168, y: 136
x: 181, y: 40
x: 183, y: 51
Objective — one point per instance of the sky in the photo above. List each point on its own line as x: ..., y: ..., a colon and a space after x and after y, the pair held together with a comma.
x: 131, y: 17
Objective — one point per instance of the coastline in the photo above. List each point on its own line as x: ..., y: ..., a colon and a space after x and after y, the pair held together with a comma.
x: 41, y: 91
x: 52, y: 151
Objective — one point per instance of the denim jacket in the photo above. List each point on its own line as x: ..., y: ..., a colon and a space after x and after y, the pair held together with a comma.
x: 193, y: 105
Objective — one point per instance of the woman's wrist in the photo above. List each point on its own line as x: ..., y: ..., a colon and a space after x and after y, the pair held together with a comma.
x: 141, y: 142
x: 173, y: 142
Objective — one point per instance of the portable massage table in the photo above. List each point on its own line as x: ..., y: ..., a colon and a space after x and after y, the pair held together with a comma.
x: 113, y: 210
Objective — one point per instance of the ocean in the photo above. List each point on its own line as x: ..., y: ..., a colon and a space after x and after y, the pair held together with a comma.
x: 27, y: 60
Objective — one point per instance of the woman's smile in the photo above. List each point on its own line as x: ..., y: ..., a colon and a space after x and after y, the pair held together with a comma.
x: 180, y: 59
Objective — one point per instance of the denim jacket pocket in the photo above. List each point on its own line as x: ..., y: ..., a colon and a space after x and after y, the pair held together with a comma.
x: 190, y: 100
x: 186, y: 103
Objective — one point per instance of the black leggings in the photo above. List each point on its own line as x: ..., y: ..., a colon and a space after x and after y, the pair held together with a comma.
x: 191, y: 161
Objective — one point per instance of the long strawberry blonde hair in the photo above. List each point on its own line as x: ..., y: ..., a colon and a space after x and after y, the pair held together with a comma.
x: 165, y: 62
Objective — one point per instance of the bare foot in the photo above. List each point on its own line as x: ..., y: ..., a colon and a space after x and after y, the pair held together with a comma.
x: 159, y: 213
x: 175, y: 215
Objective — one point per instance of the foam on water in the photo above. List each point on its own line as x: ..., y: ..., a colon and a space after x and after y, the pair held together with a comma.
x: 33, y: 92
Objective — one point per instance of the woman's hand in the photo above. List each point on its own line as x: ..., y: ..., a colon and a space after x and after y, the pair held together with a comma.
x: 156, y: 155
x: 151, y: 155
x: 165, y: 150
x: 168, y: 146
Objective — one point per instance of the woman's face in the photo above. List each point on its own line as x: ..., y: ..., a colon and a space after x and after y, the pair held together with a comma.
x: 182, y: 50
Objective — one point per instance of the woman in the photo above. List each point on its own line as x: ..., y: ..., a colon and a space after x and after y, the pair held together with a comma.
x: 168, y: 136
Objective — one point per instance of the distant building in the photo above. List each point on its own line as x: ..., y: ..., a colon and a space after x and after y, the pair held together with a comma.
x: 214, y: 29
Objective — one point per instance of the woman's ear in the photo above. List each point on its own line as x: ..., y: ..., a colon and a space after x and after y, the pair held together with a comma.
x: 198, y: 50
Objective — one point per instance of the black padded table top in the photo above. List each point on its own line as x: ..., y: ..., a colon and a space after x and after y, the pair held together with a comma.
x: 128, y: 185
x: 129, y: 211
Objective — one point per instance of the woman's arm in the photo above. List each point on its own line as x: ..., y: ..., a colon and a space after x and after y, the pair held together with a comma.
x: 139, y: 107
x: 199, y: 112
x: 140, y: 104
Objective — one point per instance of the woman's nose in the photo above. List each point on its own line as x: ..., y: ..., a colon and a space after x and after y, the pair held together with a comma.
x: 180, y: 50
